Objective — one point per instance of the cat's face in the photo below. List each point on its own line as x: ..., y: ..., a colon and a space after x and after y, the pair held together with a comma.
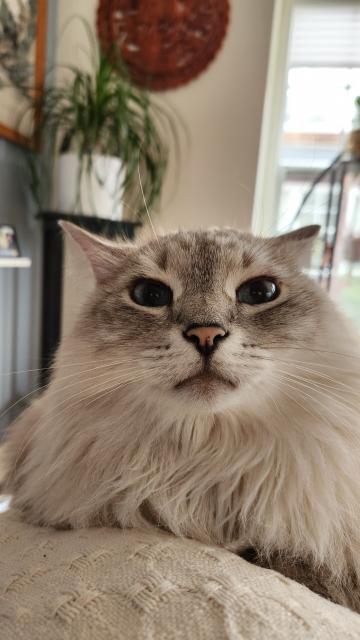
x: 194, y: 316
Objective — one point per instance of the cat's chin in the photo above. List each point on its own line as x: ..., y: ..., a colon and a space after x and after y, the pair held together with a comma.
x: 207, y: 391
x: 206, y: 383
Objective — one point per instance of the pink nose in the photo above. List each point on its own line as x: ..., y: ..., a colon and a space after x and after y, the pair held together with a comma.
x: 205, y: 337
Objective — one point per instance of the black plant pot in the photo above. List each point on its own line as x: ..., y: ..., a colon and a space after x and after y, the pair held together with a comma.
x: 53, y: 272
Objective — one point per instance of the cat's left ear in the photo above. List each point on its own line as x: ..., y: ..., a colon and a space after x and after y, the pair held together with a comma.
x: 297, y: 244
x: 103, y: 255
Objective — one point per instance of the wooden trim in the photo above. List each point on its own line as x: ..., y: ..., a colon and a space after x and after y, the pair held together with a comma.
x: 15, y: 136
x: 40, y: 55
x: 40, y: 64
x: 40, y: 61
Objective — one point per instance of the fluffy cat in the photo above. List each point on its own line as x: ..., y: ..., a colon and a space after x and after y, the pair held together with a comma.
x: 210, y: 388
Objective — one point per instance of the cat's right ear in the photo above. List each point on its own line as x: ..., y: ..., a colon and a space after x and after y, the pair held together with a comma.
x: 102, y: 254
x: 297, y: 244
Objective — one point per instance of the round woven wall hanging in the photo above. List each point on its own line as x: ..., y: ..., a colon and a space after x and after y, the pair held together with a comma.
x: 165, y: 43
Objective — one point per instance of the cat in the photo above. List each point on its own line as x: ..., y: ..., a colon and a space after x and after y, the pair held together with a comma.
x: 208, y: 387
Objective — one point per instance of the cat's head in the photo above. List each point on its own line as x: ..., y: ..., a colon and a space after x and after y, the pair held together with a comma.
x: 192, y: 318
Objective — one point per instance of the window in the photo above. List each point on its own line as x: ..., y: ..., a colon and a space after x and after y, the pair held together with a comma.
x: 322, y: 80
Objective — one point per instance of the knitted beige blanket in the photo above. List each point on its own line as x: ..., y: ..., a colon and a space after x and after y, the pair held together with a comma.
x: 108, y: 584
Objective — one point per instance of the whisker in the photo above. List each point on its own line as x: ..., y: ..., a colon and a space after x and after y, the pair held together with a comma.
x: 55, y: 367
x: 336, y: 383
x: 274, y: 345
x: 317, y: 364
x: 144, y: 376
x: 66, y: 400
x: 313, y: 376
x: 47, y: 414
x: 268, y: 395
x: 327, y: 391
x: 285, y: 382
x: 292, y: 398
x: 291, y: 361
x: 72, y: 375
x: 311, y: 370
x: 144, y: 199
x: 22, y: 399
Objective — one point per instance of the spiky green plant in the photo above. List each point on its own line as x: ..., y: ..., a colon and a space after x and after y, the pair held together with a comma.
x: 101, y: 111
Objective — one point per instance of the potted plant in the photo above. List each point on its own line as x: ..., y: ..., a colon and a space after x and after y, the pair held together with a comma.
x: 101, y: 130
x: 354, y: 135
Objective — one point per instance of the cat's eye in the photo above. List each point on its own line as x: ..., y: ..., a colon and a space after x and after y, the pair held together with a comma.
x: 257, y: 291
x: 151, y: 293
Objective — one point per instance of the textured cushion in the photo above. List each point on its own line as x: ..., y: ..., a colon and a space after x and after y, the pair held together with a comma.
x: 110, y: 584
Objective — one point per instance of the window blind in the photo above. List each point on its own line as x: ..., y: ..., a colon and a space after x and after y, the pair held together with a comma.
x: 326, y: 34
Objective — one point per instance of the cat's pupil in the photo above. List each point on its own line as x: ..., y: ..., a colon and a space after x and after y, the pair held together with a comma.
x: 151, y: 293
x: 257, y: 291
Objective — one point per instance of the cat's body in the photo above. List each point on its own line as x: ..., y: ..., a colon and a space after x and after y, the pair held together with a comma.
x: 254, y: 444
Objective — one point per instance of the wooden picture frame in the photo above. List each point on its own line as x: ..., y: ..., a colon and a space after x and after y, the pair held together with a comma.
x: 11, y: 100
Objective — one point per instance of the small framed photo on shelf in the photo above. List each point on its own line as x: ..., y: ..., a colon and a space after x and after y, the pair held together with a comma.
x: 9, y: 247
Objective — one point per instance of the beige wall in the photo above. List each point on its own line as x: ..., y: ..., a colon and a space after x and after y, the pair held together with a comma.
x: 222, y: 109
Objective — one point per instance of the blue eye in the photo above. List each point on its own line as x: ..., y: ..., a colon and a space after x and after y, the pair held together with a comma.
x: 151, y: 293
x: 257, y: 291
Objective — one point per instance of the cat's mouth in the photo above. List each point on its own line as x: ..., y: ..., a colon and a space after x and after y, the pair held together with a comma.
x: 206, y: 381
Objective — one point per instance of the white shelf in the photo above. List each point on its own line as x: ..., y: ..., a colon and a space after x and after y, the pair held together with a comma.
x: 18, y: 263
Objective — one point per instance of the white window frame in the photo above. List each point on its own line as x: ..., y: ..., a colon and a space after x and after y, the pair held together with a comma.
x: 268, y: 178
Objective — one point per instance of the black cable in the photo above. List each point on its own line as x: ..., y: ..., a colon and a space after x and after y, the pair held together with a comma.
x: 315, y: 182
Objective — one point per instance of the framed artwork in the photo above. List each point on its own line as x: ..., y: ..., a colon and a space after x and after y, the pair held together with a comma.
x: 9, y: 246
x: 22, y: 63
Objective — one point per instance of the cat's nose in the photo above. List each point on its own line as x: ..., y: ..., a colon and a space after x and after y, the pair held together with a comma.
x: 205, y: 339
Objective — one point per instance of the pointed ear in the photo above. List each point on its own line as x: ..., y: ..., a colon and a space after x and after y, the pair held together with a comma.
x: 304, y: 233
x: 103, y: 255
x: 297, y: 244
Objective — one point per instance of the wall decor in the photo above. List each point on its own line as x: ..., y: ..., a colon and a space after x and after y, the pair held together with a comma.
x: 22, y: 63
x: 165, y: 43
